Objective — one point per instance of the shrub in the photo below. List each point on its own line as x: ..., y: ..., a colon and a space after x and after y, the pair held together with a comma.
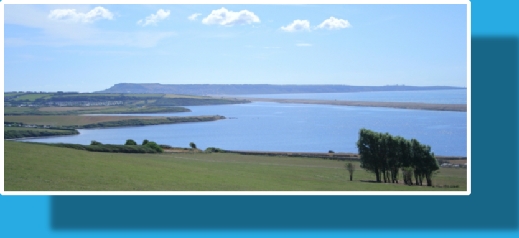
x: 130, y: 142
x: 192, y: 145
x: 350, y: 167
x: 95, y: 143
x: 213, y: 150
x: 144, y: 142
x: 166, y: 146
x: 154, y: 146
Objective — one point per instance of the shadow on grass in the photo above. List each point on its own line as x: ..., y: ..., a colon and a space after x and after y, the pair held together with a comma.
x: 491, y: 205
x: 369, y: 181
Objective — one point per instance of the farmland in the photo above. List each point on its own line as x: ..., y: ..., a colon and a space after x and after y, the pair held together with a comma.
x: 69, y: 110
x: 60, y: 99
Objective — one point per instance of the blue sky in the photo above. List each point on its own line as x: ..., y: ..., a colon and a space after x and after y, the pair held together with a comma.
x: 92, y: 47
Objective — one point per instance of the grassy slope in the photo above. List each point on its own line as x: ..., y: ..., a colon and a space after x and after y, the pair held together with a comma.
x: 33, y: 167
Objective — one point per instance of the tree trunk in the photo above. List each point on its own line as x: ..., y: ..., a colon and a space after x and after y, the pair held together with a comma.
x: 351, y: 177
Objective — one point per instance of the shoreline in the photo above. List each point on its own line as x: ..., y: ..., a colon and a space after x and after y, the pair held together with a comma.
x: 125, y: 122
x: 399, y: 105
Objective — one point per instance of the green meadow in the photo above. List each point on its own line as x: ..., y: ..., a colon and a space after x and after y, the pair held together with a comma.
x: 37, y: 167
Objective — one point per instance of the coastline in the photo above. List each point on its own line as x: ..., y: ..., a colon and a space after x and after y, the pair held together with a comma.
x: 122, y: 122
x: 399, y: 105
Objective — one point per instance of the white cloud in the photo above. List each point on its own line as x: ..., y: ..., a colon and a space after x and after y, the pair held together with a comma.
x: 225, y: 17
x: 73, y: 16
x: 334, y: 23
x: 194, y: 16
x: 154, y: 18
x: 303, y: 44
x: 59, y: 33
x: 297, y: 25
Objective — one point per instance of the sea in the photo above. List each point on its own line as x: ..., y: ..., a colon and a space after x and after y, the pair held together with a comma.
x: 270, y: 126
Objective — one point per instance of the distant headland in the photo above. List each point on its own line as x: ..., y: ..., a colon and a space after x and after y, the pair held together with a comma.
x: 237, y: 89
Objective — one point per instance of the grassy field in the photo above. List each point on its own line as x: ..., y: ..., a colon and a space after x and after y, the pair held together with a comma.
x: 70, y: 120
x: 34, y: 167
x: 18, y: 110
x: 128, y: 100
x: 69, y: 109
x: 32, y: 97
x: 15, y: 111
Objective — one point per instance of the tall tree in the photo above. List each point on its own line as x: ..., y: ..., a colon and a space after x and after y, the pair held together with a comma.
x: 367, y: 152
x: 430, y: 165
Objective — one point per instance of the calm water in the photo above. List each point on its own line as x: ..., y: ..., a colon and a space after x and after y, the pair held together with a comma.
x: 267, y: 126
x: 453, y: 96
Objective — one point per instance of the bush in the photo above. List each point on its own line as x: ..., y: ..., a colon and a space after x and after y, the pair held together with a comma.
x: 144, y: 142
x: 154, y: 146
x: 130, y: 142
x: 351, y: 168
x: 95, y: 143
x: 192, y: 145
x: 109, y: 148
x: 213, y: 150
x: 166, y: 146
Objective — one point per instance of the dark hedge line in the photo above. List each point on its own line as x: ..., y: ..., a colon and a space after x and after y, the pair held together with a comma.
x: 15, y: 134
x: 144, y: 122
x: 109, y: 148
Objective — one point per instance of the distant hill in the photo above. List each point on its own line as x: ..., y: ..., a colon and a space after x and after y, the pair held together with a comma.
x: 227, y: 89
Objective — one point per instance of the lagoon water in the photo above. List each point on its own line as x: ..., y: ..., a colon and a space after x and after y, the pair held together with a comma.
x: 451, y: 96
x: 266, y: 126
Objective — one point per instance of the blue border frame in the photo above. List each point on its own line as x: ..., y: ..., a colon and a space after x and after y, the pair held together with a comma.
x: 491, y: 208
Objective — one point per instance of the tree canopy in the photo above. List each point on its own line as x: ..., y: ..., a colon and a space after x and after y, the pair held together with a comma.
x: 384, y: 155
x: 130, y: 142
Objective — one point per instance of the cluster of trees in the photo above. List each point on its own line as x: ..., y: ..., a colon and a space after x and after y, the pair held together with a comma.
x: 129, y: 147
x: 98, y: 147
x: 384, y: 155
